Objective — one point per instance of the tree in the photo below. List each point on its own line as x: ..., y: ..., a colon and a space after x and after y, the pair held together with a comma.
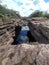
x: 46, y: 15
x: 37, y: 13
x: 5, y: 11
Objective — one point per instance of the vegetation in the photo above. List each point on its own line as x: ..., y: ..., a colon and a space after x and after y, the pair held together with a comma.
x: 39, y: 14
x: 13, y: 14
x: 7, y: 12
x: 46, y: 15
x: 1, y: 15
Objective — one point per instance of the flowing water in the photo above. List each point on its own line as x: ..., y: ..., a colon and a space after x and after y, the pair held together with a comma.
x: 22, y: 37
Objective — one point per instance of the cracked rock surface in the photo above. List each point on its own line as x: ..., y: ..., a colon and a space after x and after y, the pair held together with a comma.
x: 34, y: 53
x: 24, y: 54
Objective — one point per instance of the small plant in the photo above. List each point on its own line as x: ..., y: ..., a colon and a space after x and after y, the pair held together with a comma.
x: 1, y: 15
x: 46, y: 15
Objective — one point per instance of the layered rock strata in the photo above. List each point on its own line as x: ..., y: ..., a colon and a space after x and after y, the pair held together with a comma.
x: 40, y: 30
x: 23, y: 54
x: 8, y: 30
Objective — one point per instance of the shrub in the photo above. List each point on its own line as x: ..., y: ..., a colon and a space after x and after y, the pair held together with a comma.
x: 1, y: 15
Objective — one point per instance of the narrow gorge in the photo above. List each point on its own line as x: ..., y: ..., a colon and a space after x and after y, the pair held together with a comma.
x: 24, y: 41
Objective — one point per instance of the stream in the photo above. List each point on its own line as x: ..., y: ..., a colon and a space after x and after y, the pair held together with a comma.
x: 22, y: 37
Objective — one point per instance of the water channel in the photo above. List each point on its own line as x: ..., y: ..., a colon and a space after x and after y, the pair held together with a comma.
x: 22, y: 37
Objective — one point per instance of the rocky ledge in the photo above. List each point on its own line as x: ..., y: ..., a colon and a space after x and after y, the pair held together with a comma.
x: 24, y: 54
x: 8, y: 30
x: 39, y: 30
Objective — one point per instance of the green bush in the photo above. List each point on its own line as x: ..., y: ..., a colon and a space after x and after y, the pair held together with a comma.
x: 8, y: 12
x: 1, y: 15
x: 46, y: 15
x: 39, y: 14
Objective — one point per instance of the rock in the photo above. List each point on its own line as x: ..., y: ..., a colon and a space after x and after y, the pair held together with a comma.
x: 43, y: 56
x: 18, y: 54
x: 7, y: 31
x: 39, y: 32
x: 6, y: 38
x: 1, y: 22
x: 24, y: 54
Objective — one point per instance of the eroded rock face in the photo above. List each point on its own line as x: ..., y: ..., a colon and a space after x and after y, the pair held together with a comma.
x: 43, y: 56
x: 40, y: 31
x: 24, y: 54
x: 6, y: 38
x: 8, y: 30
